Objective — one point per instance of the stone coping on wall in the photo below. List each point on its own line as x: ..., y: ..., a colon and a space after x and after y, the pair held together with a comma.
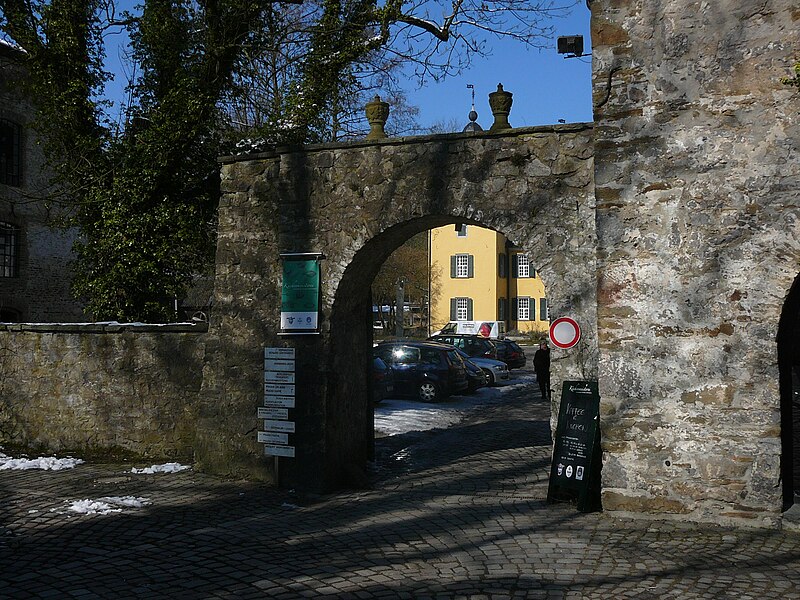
x: 416, y: 139
x: 106, y: 327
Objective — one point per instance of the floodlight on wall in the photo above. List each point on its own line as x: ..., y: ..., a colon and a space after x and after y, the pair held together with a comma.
x: 571, y: 45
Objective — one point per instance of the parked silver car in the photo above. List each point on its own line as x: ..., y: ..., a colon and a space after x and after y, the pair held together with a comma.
x: 495, y: 370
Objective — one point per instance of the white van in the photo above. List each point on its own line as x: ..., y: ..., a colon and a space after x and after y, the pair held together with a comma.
x: 487, y: 329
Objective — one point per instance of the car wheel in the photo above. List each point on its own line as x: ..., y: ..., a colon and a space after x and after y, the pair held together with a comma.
x: 489, y: 377
x: 428, y: 391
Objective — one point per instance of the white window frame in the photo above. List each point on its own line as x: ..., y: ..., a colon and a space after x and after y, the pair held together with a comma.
x: 523, y: 308
x: 523, y: 266
x: 462, y: 266
x: 462, y: 309
x: 462, y: 231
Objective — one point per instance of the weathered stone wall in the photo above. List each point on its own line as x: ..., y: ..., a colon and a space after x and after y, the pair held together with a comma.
x: 697, y: 175
x: 356, y: 204
x: 101, y: 389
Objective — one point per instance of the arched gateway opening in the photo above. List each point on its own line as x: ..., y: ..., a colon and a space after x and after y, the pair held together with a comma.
x: 789, y: 364
x: 355, y: 204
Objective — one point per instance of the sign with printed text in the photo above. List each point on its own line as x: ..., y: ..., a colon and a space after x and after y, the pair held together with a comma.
x: 276, y: 450
x: 278, y: 377
x: 281, y: 353
x: 300, y: 293
x: 279, y: 401
x: 269, y: 437
x: 284, y: 426
x: 278, y: 389
x: 575, y: 469
x: 267, y: 412
x: 277, y: 364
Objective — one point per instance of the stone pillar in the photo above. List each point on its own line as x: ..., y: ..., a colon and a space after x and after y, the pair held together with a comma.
x: 500, y: 103
x: 377, y: 114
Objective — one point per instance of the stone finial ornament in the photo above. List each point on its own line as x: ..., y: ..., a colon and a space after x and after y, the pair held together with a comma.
x: 377, y: 113
x: 500, y: 103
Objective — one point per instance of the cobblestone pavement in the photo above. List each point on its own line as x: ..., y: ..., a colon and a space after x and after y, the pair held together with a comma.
x: 458, y: 513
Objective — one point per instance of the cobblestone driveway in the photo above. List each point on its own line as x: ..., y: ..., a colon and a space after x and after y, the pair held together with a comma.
x: 452, y: 514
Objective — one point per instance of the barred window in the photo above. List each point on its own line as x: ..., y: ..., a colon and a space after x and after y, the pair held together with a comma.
x: 10, y: 163
x: 462, y: 309
x: 523, y: 267
x: 462, y: 266
x: 9, y: 250
x: 523, y: 308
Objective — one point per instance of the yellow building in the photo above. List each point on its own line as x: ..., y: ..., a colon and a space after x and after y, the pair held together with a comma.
x: 481, y: 276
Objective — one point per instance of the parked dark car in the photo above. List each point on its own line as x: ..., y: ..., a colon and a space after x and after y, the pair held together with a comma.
x: 476, y: 346
x: 425, y: 370
x: 382, y: 380
x: 514, y: 355
x: 476, y: 378
x: 470, y: 344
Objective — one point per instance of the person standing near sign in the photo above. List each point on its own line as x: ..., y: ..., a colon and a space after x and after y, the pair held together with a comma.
x: 541, y: 364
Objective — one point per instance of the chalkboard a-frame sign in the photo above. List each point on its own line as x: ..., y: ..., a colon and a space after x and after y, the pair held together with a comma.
x: 575, y: 470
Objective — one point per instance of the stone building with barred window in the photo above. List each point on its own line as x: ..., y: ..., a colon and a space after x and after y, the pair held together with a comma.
x: 35, y: 254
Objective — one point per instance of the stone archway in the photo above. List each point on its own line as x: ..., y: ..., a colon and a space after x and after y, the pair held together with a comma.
x: 355, y: 204
x: 789, y: 364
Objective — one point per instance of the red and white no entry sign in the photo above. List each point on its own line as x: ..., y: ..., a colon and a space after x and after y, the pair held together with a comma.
x: 565, y: 332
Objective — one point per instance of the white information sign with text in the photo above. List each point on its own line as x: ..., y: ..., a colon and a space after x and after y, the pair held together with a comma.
x: 279, y: 401
x: 268, y: 437
x: 272, y: 450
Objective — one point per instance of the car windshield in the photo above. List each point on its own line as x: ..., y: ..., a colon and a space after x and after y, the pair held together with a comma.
x: 405, y: 355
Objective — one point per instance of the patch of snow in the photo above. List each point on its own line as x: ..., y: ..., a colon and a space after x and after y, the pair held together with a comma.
x: 107, y: 505
x: 395, y: 416
x: 165, y: 468
x: 46, y: 463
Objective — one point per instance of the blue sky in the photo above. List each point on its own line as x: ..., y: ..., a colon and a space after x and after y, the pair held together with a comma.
x: 546, y: 86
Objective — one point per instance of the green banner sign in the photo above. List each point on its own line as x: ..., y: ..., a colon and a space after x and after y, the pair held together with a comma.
x: 300, y: 293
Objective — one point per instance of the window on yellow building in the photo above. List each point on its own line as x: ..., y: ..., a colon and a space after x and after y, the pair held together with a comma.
x: 462, y: 266
x: 524, y: 308
x: 521, y: 267
x: 543, y: 309
x: 460, y: 309
x: 461, y: 230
